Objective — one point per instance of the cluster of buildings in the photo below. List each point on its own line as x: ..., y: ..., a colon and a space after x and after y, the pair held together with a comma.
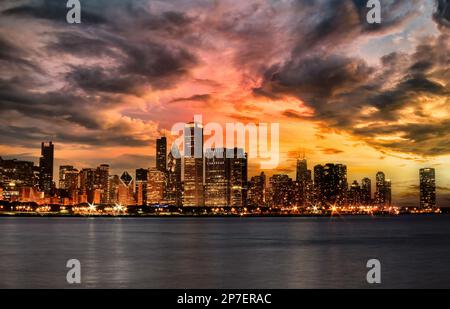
x: 215, y: 178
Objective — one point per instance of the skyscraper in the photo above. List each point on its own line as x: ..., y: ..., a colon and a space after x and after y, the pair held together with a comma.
x: 141, y: 186
x: 62, y: 171
x: 238, y: 177
x: 330, y: 183
x: 383, y: 194
x: 173, y: 187
x: 155, y: 186
x: 102, y: 183
x: 427, y: 188
x: 366, y: 191
x: 193, y: 165
x: 257, y: 190
x: 161, y: 154
x: 355, y: 194
x: 318, y: 184
x: 281, y: 191
x: 217, y: 178
x: 125, y: 190
x: 303, y: 183
x: 46, y: 167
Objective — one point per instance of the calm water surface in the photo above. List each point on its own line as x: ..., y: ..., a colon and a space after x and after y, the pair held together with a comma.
x: 225, y: 252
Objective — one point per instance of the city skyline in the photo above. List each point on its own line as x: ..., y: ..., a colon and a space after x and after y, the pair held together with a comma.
x: 223, y: 182
x: 372, y: 98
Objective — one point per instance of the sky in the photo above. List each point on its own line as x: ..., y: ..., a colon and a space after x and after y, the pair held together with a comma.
x: 374, y: 97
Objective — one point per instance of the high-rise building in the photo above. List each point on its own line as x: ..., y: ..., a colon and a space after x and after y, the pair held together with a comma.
x: 319, y: 184
x: 193, y: 165
x: 114, y: 182
x: 102, y: 183
x: 217, y: 178
x: 330, y: 182
x: 355, y: 194
x: 46, y: 167
x: 62, y: 172
x: 141, y: 186
x: 173, y: 186
x: 68, y: 182
x: 238, y: 176
x: 257, y: 190
x: 303, y: 185
x: 281, y: 191
x: 427, y: 188
x: 161, y: 154
x: 155, y: 186
x: 87, y: 184
x: 366, y: 191
x: 15, y: 175
x: 125, y: 190
x: 226, y: 177
x: 383, y: 193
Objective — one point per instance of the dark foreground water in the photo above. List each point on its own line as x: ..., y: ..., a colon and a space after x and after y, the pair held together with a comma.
x: 225, y: 252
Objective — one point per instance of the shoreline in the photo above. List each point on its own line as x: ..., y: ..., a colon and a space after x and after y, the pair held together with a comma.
x: 58, y: 215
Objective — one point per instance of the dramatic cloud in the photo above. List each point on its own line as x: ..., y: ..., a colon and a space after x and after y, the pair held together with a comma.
x: 132, y: 69
x: 401, y: 105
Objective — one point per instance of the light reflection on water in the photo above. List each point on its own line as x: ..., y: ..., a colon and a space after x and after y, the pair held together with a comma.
x: 225, y: 252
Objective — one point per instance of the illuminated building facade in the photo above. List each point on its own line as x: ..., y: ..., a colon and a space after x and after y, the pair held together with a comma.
x: 217, y: 178
x: 193, y: 165
x: 366, y: 191
x: 281, y: 191
x: 155, y: 186
x: 383, y: 193
x: 173, y: 186
x: 46, y: 167
x: 257, y: 190
x: 161, y: 154
x: 427, y: 188
x: 141, y: 186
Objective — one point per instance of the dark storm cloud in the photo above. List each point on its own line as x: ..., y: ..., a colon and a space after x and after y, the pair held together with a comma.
x: 52, y: 10
x: 346, y: 92
x: 196, y: 97
x: 110, y: 56
x: 331, y: 23
x: 442, y: 14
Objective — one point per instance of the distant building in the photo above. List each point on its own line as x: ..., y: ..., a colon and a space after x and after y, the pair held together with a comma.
x: 238, y: 177
x: 383, y: 193
x: 69, y: 183
x: 155, y: 186
x: 355, y: 194
x: 102, y: 183
x: 125, y: 190
x: 141, y: 186
x: 217, y: 178
x: 173, y: 185
x: 114, y: 182
x: 46, y: 167
x: 330, y: 183
x: 303, y: 185
x: 281, y: 191
x: 225, y: 177
x: 366, y: 191
x: 161, y: 154
x: 257, y: 190
x: 193, y: 165
x: 427, y: 188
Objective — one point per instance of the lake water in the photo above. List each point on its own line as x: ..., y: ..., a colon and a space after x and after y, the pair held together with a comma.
x: 414, y: 252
